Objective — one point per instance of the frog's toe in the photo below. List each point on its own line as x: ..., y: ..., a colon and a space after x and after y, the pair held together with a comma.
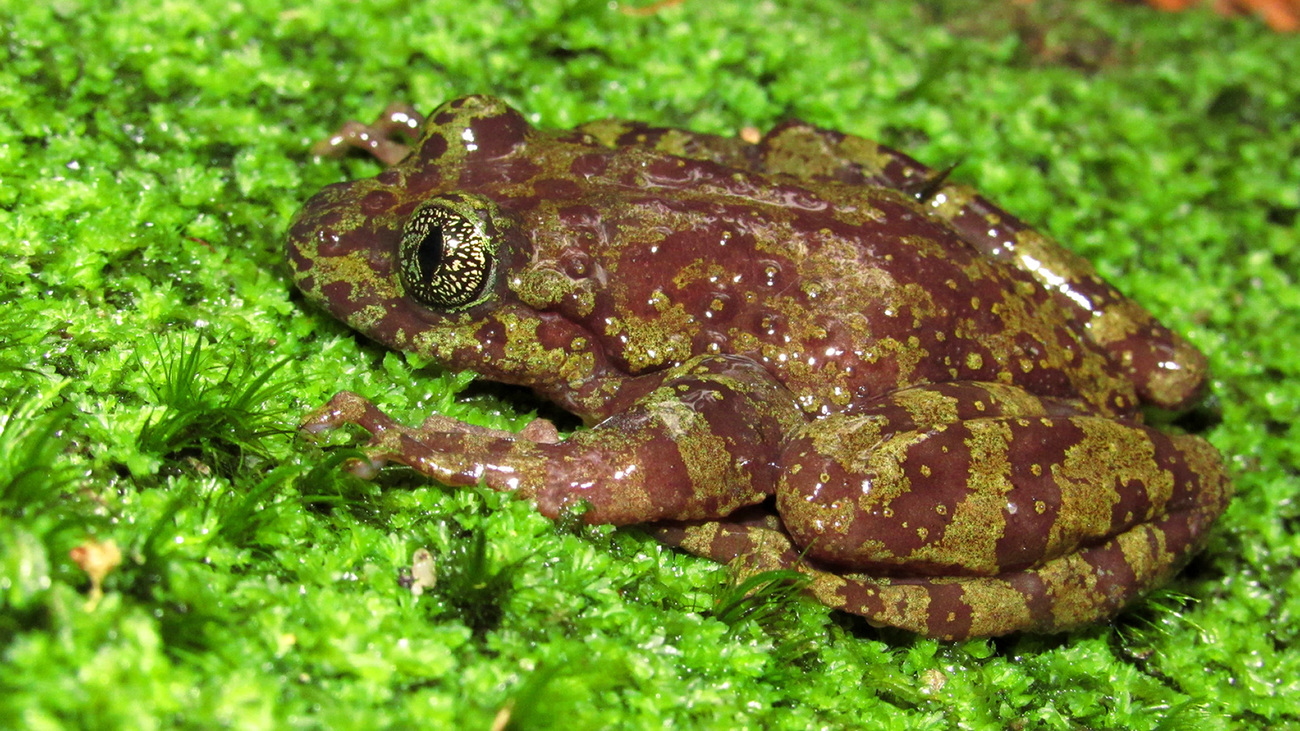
x: 347, y: 408
x: 366, y: 469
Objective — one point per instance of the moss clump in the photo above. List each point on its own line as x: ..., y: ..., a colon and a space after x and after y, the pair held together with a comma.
x: 152, y: 155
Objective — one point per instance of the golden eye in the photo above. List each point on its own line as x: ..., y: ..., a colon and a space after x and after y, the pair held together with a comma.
x: 447, y: 258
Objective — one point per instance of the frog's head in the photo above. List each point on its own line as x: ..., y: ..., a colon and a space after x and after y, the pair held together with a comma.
x: 426, y: 256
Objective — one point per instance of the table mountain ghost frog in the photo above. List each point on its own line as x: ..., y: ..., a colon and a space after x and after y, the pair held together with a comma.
x: 808, y: 352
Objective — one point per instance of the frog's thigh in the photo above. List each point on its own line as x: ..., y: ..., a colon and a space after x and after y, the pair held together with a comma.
x: 1067, y: 592
x: 986, y: 496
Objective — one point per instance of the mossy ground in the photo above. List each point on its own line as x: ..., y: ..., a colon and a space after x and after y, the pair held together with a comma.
x: 154, y: 361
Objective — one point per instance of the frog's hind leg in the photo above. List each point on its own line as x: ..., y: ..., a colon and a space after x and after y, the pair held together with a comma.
x: 975, y: 509
x: 1166, y: 370
x: 1062, y: 594
x: 1067, y: 592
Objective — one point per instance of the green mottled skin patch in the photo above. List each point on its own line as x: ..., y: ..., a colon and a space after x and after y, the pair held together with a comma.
x: 806, y: 353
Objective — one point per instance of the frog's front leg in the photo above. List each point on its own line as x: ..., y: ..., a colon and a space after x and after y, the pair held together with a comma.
x: 376, y: 138
x: 702, y: 442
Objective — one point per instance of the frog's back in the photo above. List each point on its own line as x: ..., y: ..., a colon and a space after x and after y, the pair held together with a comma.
x: 843, y: 292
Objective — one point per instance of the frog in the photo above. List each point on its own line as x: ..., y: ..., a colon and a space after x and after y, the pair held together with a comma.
x: 800, y: 350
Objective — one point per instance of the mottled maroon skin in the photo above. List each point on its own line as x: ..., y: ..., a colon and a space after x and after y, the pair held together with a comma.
x: 943, y: 403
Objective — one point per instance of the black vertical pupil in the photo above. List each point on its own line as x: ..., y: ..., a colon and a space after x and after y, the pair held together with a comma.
x: 430, y: 252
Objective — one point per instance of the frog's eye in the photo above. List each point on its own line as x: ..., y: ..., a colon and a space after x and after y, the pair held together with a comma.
x: 447, y: 258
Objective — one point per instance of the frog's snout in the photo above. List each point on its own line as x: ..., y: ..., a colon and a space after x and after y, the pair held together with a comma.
x: 336, y: 223
x: 341, y: 257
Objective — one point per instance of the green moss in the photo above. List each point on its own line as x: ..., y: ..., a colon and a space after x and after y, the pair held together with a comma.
x: 152, y: 155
